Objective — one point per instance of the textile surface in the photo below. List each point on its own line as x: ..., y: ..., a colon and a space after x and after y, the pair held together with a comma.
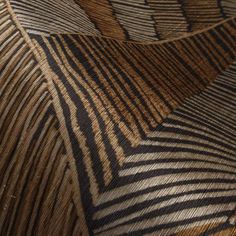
x: 118, y: 117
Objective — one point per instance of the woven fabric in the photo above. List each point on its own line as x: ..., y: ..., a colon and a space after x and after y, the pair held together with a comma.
x: 118, y: 117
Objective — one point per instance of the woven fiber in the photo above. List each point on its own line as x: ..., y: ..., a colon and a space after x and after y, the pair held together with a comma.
x: 117, y: 117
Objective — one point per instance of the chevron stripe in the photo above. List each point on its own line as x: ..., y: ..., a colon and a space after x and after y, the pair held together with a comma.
x: 111, y: 136
x: 34, y: 171
x: 112, y: 94
x: 184, y: 170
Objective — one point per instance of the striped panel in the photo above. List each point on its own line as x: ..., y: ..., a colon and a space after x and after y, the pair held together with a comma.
x: 34, y: 171
x: 169, y: 17
x: 229, y: 7
x: 202, y: 13
x: 113, y: 93
x: 102, y: 15
x: 136, y: 17
x: 129, y: 20
x: 222, y: 229
x: 183, y: 174
x: 108, y: 98
x: 52, y: 17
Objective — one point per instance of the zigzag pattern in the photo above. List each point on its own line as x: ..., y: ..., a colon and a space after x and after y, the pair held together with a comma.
x: 184, y: 171
x: 88, y: 84
x: 106, y: 102
x: 117, y: 117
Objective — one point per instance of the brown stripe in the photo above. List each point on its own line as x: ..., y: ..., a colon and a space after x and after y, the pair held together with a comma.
x: 102, y: 15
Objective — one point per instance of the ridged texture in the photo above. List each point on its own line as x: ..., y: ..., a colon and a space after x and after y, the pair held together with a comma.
x: 52, y: 17
x: 91, y: 75
x: 202, y: 13
x: 229, y: 7
x: 117, y: 117
x: 170, y: 19
x: 185, y: 168
x: 135, y: 17
x: 125, y: 20
x: 34, y: 172
x: 101, y: 14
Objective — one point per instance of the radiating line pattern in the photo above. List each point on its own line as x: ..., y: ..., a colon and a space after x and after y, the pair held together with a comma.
x: 117, y: 117
x: 183, y: 173
x: 105, y: 88
x: 106, y: 98
x: 34, y: 171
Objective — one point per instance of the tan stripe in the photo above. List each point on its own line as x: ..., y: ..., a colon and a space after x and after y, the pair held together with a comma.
x: 73, y: 109
x: 64, y: 65
x: 101, y: 13
x: 138, y: 82
x: 164, y: 219
x: 139, y: 199
x: 109, y: 124
x: 169, y: 18
x: 152, y: 181
x: 202, y: 13
x: 121, y: 106
x: 134, y: 108
x: 76, y: 189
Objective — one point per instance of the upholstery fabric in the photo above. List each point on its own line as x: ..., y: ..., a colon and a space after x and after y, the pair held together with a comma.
x: 118, y: 117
